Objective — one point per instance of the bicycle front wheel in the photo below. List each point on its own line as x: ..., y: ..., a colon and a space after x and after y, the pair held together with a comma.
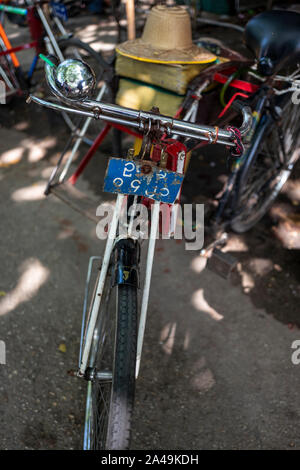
x: 110, y: 392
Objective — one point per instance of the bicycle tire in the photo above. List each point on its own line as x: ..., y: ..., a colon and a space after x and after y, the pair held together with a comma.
x: 241, y: 221
x: 110, y: 430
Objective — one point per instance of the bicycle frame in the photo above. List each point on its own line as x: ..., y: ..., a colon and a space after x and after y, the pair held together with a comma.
x: 127, y: 263
x: 111, y: 244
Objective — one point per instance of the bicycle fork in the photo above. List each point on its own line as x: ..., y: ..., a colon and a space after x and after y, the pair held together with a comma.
x: 119, y: 278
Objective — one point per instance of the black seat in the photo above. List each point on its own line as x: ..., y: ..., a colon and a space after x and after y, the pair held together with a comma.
x: 274, y: 38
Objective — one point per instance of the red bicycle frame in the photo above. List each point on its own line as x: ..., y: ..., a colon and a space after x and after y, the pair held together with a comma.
x: 37, y: 33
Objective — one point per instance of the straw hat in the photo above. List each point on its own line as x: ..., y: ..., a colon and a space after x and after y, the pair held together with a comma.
x: 167, y: 38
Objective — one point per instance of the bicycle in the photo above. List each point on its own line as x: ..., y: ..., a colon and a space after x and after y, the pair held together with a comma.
x: 111, y: 381
x: 45, y: 20
x: 110, y: 353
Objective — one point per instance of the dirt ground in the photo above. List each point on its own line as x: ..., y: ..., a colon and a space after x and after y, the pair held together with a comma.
x: 216, y: 369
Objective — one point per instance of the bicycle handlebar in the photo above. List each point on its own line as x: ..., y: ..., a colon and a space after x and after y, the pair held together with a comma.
x: 143, y: 121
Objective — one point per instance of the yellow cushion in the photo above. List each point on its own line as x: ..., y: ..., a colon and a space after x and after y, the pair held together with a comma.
x: 140, y: 96
x: 172, y: 77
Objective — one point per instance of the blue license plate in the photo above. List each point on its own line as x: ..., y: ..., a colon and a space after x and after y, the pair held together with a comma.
x: 59, y: 10
x: 142, y: 179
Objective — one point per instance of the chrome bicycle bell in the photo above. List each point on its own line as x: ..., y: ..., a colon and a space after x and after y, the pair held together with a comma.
x: 75, y: 79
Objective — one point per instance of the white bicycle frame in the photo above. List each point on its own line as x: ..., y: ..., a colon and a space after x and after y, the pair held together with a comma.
x: 102, y: 277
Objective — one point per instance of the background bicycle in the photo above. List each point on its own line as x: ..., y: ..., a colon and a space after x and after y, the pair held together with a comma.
x: 45, y: 22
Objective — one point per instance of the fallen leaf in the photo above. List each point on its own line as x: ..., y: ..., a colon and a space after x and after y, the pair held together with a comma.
x: 62, y: 348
